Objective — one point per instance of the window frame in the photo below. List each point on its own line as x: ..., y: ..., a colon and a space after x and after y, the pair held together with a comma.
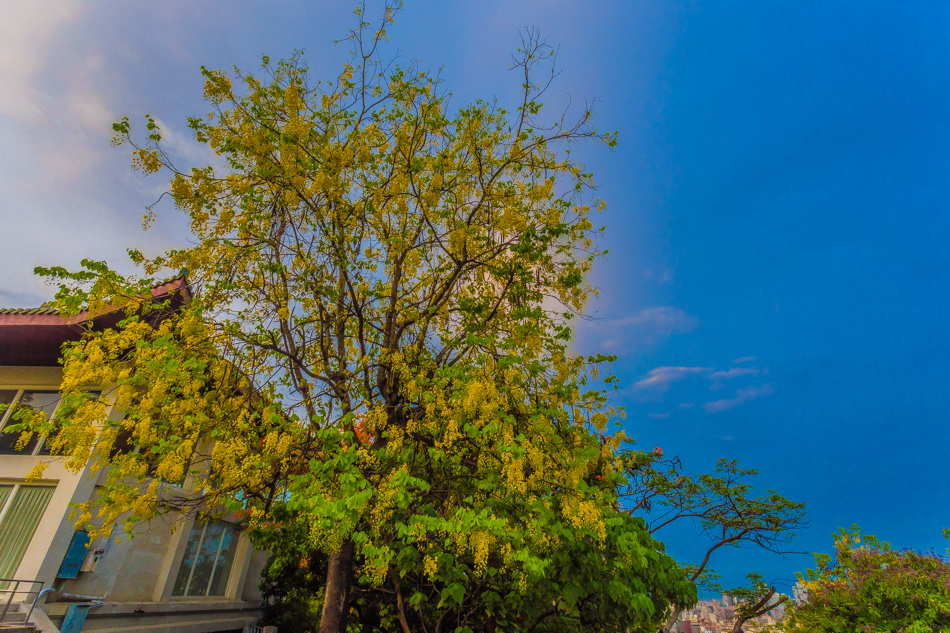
x: 16, y: 485
x: 37, y: 450
x: 8, y: 413
x: 205, y: 522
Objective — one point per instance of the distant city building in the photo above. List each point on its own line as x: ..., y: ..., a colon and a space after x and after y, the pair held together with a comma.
x: 718, y: 616
x: 800, y: 594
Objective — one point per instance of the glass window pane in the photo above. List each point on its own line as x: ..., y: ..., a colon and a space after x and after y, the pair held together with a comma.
x: 45, y: 401
x: 123, y: 443
x: 222, y: 566
x: 187, y: 562
x: 45, y: 448
x: 6, y: 397
x: 19, y: 523
x: 204, y: 561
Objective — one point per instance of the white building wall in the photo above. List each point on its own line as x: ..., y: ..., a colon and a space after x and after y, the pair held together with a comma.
x: 135, y: 575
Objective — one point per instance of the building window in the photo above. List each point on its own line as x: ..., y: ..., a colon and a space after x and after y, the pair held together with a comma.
x: 19, y: 400
x: 125, y: 443
x: 21, y: 508
x: 14, y: 400
x: 206, y: 566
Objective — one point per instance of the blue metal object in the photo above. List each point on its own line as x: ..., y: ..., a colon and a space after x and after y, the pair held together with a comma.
x: 75, y: 618
x: 78, y: 547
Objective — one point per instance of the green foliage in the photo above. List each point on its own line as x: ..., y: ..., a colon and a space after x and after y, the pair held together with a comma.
x: 723, y: 504
x: 868, y: 586
x: 292, y: 582
x: 753, y: 600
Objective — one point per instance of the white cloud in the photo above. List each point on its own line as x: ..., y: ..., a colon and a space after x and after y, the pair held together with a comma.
x: 661, y: 319
x: 183, y: 145
x: 54, y: 117
x: 745, y: 359
x: 25, y: 32
x: 719, y: 377
x: 659, y: 380
x: 742, y: 395
x: 644, y: 328
x: 734, y: 373
x: 57, y: 92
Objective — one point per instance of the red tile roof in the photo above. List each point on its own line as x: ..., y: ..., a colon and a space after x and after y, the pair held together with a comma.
x: 35, y: 336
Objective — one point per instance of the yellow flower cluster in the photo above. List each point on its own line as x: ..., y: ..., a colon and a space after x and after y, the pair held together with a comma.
x: 430, y: 567
x: 586, y: 514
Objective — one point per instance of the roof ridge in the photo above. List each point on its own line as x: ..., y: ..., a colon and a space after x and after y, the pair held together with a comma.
x: 47, y: 308
x: 43, y: 309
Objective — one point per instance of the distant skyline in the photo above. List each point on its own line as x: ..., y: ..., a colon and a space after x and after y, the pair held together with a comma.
x: 777, y: 284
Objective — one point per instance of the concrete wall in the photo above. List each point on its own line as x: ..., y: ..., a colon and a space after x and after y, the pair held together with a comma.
x: 252, y: 586
x: 174, y: 617
x: 130, y: 568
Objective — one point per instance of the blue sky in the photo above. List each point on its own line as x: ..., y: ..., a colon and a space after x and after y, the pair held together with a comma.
x: 777, y: 283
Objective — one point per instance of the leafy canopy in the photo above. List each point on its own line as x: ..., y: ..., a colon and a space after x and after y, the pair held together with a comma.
x: 372, y: 357
x: 725, y: 508
x: 868, y: 586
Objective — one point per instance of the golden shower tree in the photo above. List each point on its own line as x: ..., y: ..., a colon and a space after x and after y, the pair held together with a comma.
x: 372, y: 357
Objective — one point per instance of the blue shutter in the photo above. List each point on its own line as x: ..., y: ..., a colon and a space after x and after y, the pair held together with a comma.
x: 74, y: 555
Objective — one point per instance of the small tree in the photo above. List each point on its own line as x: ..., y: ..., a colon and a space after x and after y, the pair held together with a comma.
x: 374, y: 351
x: 293, y: 580
x: 868, y: 586
x: 754, y: 600
x: 724, y: 507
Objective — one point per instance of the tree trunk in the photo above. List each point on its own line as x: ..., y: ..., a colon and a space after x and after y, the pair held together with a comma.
x: 337, y: 597
x: 671, y: 621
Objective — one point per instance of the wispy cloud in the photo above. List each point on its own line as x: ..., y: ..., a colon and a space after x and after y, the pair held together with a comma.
x: 640, y: 329
x: 52, y: 100
x: 742, y: 395
x: 734, y: 373
x: 658, y: 416
x: 184, y: 146
x: 660, y: 379
x: 719, y: 377
x: 745, y: 359
x: 660, y: 320
x: 65, y: 193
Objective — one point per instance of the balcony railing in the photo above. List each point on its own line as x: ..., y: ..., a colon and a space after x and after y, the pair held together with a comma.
x: 10, y: 588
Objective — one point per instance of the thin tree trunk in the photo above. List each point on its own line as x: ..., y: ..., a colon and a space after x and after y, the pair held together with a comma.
x: 337, y: 596
x: 671, y: 621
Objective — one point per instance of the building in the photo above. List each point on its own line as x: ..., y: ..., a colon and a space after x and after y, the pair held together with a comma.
x: 800, y: 593
x: 179, y: 573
